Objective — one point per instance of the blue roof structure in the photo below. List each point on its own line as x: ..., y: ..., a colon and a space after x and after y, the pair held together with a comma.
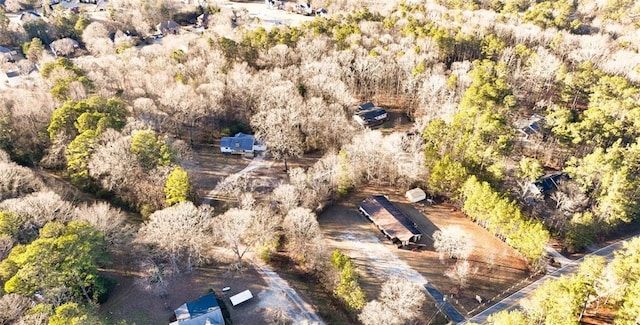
x: 240, y: 141
x: 204, y: 310
x: 532, y: 125
x: 201, y: 305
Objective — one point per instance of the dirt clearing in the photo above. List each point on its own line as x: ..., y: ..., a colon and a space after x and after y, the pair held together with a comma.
x: 129, y: 302
x: 496, y: 269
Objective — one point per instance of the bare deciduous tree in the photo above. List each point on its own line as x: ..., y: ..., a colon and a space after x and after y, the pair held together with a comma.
x: 569, y: 197
x: 235, y: 230
x: 460, y: 272
x: 4, y: 157
x: 279, y: 121
x: 155, y: 276
x: 180, y: 233
x: 452, y: 242
x: 278, y: 316
x: 400, y: 301
x: 377, y: 313
x: 96, y: 39
x: 37, y: 209
x: 302, y: 231
x: 64, y: 46
x: 109, y: 220
x: 12, y: 307
x: 6, y: 244
x: 287, y: 196
x: 17, y: 181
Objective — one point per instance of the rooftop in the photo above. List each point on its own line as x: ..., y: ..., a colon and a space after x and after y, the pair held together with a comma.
x: 389, y: 218
x: 204, y: 310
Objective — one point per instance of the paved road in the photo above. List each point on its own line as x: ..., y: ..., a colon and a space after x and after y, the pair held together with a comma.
x: 513, y: 301
x: 299, y: 310
x: 444, y: 305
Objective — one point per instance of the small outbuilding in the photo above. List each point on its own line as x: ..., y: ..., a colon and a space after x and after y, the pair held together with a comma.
x: 393, y: 223
x: 241, y: 297
x: 202, y: 311
x: 531, y: 126
x: 7, y: 54
x: 415, y: 195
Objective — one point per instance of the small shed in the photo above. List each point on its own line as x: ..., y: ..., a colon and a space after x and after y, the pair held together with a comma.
x: 7, y: 53
x: 531, y: 126
x: 415, y: 195
x: 241, y: 297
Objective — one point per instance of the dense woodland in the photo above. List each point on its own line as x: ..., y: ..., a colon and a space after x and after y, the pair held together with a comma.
x: 119, y: 119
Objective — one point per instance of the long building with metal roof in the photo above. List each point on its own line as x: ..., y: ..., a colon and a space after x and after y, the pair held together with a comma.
x: 390, y: 220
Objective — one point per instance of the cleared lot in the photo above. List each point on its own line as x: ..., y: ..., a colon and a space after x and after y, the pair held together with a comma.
x: 130, y: 302
x: 496, y: 268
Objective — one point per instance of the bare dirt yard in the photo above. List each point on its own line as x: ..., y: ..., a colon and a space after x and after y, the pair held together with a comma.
x: 496, y: 269
x: 209, y: 166
x: 131, y: 303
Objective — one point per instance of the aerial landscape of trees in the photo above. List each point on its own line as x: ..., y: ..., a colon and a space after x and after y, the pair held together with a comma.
x: 120, y: 117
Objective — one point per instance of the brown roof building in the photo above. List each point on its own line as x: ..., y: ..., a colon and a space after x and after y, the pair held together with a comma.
x: 390, y: 220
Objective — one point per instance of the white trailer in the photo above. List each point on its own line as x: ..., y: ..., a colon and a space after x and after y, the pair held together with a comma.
x: 241, y: 297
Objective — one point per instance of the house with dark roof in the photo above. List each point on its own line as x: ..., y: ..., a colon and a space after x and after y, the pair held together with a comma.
x: 241, y: 144
x: 365, y: 106
x: 7, y: 53
x: 202, y: 311
x: 27, y: 16
x: 547, y: 184
x: 371, y: 117
x: 393, y: 223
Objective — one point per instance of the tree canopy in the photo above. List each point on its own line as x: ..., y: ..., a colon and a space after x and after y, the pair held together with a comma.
x: 64, y: 260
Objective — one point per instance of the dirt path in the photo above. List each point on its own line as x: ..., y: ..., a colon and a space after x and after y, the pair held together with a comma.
x: 215, y: 172
x: 297, y: 308
x: 381, y: 263
x: 496, y: 269
x: 222, y: 187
